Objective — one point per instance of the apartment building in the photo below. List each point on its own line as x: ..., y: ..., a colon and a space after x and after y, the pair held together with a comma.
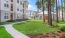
x: 13, y: 9
x: 25, y: 9
x: 32, y: 14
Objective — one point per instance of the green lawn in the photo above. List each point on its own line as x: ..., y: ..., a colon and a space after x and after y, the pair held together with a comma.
x: 4, y: 34
x: 33, y: 27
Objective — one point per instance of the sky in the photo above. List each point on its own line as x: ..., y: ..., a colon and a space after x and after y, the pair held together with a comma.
x: 32, y: 5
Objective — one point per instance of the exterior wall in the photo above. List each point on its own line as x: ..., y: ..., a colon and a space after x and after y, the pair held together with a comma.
x: 2, y: 5
x: 3, y: 14
x: 0, y: 11
x: 32, y: 14
x: 4, y: 10
x: 0, y: 15
x: 16, y: 14
x: 25, y: 9
x: 46, y: 16
x: 40, y: 17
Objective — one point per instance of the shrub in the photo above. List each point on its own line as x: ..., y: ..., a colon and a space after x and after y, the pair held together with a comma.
x: 10, y: 21
x: 62, y: 28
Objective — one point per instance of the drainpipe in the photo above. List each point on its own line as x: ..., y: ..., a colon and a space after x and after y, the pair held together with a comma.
x: 23, y: 11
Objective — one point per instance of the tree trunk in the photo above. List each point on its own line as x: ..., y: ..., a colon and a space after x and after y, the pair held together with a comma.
x: 62, y: 10
x: 43, y: 11
x: 53, y: 12
x: 59, y: 14
x: 49, y: 13
x: 56, y: 12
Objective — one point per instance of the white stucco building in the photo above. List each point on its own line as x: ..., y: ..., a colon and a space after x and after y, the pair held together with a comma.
x: 31, y: 14
x: 40, y: 15
x: 13, y: 9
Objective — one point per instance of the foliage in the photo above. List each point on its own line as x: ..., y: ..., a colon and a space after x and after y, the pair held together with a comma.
x: 4, y: 34
x: 38, y: 4
x: 10, y: 20
x: 62, y: 28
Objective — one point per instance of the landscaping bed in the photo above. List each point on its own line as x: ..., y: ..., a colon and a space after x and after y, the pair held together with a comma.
x: 58, y: 34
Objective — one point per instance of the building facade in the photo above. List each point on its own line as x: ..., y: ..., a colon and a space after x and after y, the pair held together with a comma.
x: 40, y: 15
x: 31, y: 14
x: 13, y: 9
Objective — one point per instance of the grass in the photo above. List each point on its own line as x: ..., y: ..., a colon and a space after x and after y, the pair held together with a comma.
x: 4, y: 34
x: 2, y: 23
x: 33, y: 27
x: 60, y: 24
x: 13, y: 21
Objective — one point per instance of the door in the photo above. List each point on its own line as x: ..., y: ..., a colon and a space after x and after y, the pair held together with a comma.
x: 11, y: 16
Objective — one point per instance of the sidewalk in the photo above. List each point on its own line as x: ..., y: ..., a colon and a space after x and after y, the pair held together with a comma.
x: 14, y: 32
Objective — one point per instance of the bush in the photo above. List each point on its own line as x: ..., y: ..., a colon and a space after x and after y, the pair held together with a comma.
x: 10, y: 21
x: 21, y: 19
x: 17, y: 20
x: 63, y: 28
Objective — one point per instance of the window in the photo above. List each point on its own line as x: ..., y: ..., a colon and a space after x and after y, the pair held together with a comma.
x: 6, y: 16
x: 11, y: 7
x: 17, y: 17
x: 21, y: 2
x: 6, y: 5
x: 6, y: 1
x: 11, y: 0
x: 17, y: 1
x: 17, y: 9
x: 30, y: 13
x: 20, y: 9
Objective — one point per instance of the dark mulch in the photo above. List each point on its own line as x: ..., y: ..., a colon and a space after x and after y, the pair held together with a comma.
x: 58, y: 34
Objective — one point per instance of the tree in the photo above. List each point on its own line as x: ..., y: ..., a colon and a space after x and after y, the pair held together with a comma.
x: 62, y: 9
x: 49, y: 4
x: 52, y: 8
x: 49, y: 13
x: 43, y: 10
x: 40, y: 4
x: 57, y: 11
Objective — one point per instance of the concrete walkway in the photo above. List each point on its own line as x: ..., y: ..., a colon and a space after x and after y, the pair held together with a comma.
x: 14, y: 32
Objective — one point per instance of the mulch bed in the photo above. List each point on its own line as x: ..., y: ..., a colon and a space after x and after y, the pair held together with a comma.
x: 58, y: 34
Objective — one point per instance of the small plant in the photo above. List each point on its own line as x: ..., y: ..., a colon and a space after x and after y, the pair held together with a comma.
x: 63, y: 28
